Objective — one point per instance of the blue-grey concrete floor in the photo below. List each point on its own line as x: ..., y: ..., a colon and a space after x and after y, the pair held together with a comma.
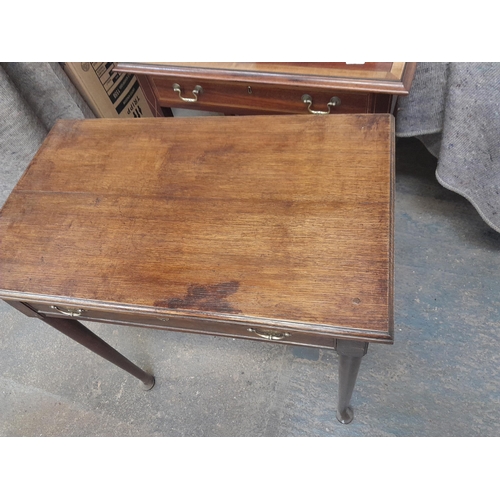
x: 440, y: 378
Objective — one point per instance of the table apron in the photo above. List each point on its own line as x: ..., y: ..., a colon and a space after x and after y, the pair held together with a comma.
x: 244, y: 330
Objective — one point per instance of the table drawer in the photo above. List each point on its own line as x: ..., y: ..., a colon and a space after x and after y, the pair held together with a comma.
x: 248, y: 98
x: 190, y: 325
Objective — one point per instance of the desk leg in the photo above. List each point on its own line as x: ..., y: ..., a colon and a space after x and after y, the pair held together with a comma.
x: 81, y: 334
x: 350, y: 353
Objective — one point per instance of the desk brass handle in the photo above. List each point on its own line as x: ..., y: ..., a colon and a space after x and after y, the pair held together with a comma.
x: 197, y: 90
x: 69, y: 312
x: 269, y: 335
x: 307, y: 99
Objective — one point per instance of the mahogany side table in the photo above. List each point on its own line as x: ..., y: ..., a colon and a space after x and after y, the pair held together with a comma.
x: 270, y: 228
x: 274, y: 87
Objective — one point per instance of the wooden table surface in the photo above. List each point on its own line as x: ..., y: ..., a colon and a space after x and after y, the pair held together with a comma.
x: 391, y: 77
x: 279, y: 218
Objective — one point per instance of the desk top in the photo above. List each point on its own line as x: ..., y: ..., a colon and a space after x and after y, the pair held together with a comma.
x: 384, y: 77
x: 281, y: 218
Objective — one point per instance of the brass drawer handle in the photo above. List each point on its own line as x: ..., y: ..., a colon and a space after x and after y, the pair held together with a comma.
x: 69, y: 312
x: 269, y: 335
x: 307, y: 99
x: 197, y: 90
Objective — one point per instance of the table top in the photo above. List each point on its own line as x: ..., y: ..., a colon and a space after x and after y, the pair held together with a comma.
x: 279, y: 218
x: 384, y: 77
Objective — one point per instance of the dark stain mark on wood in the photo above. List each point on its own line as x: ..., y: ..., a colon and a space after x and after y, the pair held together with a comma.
x: 205, y: 298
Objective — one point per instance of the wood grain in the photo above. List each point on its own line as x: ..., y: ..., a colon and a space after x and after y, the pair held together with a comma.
x: 255, y: 218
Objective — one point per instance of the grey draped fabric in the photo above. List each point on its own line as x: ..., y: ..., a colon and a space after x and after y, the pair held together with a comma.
x: 454, y: 109
x: 32, y: 97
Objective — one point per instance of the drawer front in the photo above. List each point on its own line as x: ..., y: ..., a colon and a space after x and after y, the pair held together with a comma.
x: 190, y: 325
x: 255, y: 98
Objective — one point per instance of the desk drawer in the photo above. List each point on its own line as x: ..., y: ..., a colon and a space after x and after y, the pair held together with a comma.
x: 190, y: 325
x: 237, y: 97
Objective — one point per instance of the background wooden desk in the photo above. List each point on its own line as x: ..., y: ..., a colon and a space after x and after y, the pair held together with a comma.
x: 275, y: 88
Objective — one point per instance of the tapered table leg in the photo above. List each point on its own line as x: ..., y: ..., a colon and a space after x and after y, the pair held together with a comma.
x: 81, y: 334
x: 350, y: 353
